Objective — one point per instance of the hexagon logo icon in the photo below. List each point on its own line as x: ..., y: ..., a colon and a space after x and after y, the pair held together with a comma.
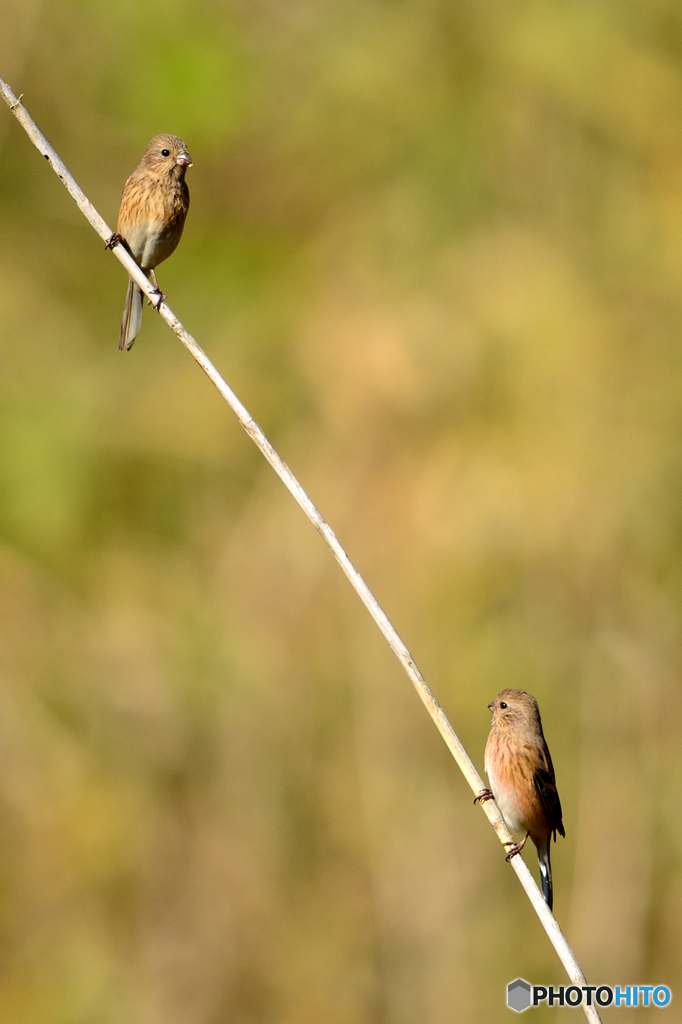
x: 518, y: 995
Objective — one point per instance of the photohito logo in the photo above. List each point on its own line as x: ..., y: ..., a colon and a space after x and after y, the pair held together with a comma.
x: 521, y: 995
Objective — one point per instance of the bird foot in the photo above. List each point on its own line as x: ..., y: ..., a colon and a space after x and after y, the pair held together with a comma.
x: 159, y: 296
x: 115, y: 239
x: 516, y: 847
x: 485, y: 794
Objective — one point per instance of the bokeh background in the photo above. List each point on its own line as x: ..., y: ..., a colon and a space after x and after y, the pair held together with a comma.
x: 436, y: 248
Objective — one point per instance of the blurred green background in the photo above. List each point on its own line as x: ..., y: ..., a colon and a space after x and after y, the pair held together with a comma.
x: 436, y: 248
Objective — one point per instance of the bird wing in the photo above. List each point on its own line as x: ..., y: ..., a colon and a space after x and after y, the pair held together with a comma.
x: 545, y: 787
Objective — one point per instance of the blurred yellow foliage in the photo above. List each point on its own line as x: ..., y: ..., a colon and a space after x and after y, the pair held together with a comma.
x: 436, y: 249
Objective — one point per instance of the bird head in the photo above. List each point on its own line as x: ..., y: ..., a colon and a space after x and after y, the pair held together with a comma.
x: 513, y: 708
x: 166, y: 154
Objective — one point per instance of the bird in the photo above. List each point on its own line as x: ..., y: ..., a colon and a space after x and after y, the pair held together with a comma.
x: 519, y: 767
x: 153, y: 209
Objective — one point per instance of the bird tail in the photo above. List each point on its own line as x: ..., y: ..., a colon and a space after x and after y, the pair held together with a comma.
x: 132, y: 316
x: 546, y: 874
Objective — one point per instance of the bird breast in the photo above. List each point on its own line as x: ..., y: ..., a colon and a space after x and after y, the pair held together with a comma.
x: 152, y: 217
x: 511, y: 783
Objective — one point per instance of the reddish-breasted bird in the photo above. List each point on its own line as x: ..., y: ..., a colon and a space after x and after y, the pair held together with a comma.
x: 521, y: 775
x: 154, y: 205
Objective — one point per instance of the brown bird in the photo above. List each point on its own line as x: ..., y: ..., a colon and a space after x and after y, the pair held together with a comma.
x: 519, y: 766
x: 154, y: 205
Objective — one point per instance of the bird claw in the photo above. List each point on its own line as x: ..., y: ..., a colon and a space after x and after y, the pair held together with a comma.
x: 159, y: 296
x: 114, y: 239
x: 485, y: 794
x: 515, y: 847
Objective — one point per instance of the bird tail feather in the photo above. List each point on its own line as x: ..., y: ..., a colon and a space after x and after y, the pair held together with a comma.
x: 546, y: 875
x: 132, y: 316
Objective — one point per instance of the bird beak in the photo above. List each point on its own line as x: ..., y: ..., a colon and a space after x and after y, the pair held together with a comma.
x: 491, y: 707
x: 184, y: 160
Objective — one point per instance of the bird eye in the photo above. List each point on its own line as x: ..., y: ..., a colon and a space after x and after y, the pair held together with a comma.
x: 503, y: 705
x: 165, y: 152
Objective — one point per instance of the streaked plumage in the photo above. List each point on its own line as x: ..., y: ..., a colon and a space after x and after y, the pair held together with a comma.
x: 154, y: 205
